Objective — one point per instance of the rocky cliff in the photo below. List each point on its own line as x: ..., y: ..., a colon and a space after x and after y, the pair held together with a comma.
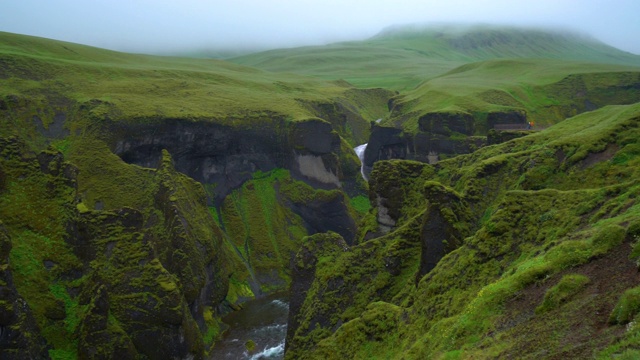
x: 478, y: 255
x: 452, y: 115
x: 112, y: 283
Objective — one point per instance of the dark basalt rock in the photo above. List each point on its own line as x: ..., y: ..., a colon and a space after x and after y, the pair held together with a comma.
x: 310, y: 136
x: 384, y: 143
x: 505, y: 118
x: 323, y: 216
x: 386, y: 190
x: 97, y: 339
x: 146, y: 284
x: 226, y: 155
x: 3, y: 179
x: 209, y: 153
x: 441, y: 134
x: 55, y: 129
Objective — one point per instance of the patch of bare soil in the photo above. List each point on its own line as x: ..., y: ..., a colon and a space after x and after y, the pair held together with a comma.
x: 578, y: 328
x: 594, y: 158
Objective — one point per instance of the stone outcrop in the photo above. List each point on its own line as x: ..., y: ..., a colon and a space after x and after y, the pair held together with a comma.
x: 322, y: 215
x: 133, y: 283
x: 387, y: 192
x: 506, y: 118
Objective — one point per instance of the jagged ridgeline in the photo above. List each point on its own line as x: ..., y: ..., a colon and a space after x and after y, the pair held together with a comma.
x: 143, y: 197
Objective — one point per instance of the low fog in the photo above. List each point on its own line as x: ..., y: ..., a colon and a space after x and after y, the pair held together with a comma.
x: 169, y: 26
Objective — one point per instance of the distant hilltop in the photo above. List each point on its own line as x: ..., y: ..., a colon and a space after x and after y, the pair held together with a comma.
x: 461, y: 29
x: 471, y: 36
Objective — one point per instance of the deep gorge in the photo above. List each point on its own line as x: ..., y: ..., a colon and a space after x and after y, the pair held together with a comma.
x: 161, y: 208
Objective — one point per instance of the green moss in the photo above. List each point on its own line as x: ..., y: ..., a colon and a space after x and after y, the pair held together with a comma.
x: 238, y: 290
x: 58, y: 354
x: 250, y: 345
x: 608, y: 237
x: 105, y: 179
x: 262, y: 229
x: 627, y: 308
x: 360, y: 204
x: 300, y: 192
x: 563, y: 291
x: 537, y: 214
x: 72, y: 310
x: 82, y: 208
x: 213, y: 326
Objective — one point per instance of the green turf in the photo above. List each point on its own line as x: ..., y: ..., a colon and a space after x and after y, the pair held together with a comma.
x: 119, y: 86
x: 548, y: 91
x: 401, y: 58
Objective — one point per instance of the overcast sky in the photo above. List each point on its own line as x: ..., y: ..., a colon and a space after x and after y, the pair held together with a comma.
x: 167, y: 25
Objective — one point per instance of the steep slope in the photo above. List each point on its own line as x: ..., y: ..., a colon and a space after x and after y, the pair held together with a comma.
x: 108, y: 235
x: 524, y: 249
x: 140, y: 278
x: 402, y: 57
x: 518, y: 241
x: 453, y: 113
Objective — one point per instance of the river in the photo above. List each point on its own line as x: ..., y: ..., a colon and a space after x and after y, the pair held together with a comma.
x: 264, y: 321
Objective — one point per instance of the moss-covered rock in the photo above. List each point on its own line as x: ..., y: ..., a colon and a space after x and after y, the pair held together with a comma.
x: 20, y: 336
x: 100, y: 336
x: 133, y: 279
x: 447, y: 221
x: 523, y: 214
x: 322, y: 247
x: 444, y: 123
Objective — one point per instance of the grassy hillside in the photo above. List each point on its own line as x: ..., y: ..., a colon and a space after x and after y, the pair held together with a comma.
x: 544, y: 265
x: 548, y: 91
x: 54, y: 77
x: 400, y: 58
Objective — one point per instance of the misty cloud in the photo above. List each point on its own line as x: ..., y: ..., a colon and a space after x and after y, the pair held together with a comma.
x: 163, y: 25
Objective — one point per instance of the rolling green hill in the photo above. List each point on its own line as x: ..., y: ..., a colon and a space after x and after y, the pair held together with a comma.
x: 127, y: 87
x: 547, y: 91
x: 400, y: 58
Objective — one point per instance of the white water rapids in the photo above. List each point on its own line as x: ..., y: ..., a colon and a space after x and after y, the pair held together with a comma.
x: 263, y: 321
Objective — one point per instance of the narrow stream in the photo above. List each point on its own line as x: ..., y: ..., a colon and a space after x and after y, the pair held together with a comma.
x: 264, y: 321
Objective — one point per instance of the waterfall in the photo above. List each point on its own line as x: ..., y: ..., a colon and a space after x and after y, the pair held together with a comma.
x: 360, y: 152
